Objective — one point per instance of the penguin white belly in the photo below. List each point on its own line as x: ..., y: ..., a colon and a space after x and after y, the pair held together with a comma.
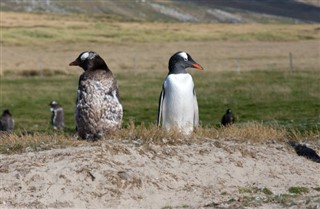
x: 179, y: 110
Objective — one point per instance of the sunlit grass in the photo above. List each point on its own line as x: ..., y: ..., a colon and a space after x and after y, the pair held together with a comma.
x: 277, y: 98
x: 270, y: 103
x: 37, y: 29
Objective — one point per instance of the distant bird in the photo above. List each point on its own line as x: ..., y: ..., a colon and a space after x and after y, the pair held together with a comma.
x: 6, y: 121
x: 303, y: 150
x: 228, y: 118
x: 57, y: 115
x: 98, y: 109
x: 178, y: 106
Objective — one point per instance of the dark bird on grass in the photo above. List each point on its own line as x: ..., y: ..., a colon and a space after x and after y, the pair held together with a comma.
x: 228, y: 118
x: 178, y: 106
x: 57, y: 115
x: 7, y: 121
x: 303, y: 150
x: 98, y: 109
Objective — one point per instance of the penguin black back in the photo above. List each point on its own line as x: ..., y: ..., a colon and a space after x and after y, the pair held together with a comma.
x: 6, y: 121
x: 303, y: 150
x: 228, y: 118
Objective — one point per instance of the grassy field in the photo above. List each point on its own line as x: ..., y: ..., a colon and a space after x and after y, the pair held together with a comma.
x: 246, y: 69
x: 37, y: 29
x: 273, y: 97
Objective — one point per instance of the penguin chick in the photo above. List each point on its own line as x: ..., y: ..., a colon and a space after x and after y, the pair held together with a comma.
x: 228, y: 118
x: 57, y: 115
x: 6, y: 121
x: 98, y: 109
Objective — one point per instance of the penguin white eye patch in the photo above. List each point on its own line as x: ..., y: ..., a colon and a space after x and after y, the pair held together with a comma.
x: 87, y: 55
x: 184, y: 56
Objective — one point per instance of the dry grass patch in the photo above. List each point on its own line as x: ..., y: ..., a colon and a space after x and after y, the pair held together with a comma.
x: 11, y: 143
x: 142, y: 135
x: 254, y: 132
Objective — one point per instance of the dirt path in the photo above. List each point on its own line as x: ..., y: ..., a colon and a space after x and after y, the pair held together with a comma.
x: 118, y: 174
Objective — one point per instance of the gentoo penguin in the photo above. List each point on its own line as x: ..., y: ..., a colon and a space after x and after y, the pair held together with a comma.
x: 57, y: 115
x: 6, y: 121
x: 228, y: 118
x: 98, y: 109
x: 303, y: 150
x: 178, y: 106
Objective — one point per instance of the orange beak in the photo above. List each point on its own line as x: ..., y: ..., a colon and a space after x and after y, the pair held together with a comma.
x: 197, y: 66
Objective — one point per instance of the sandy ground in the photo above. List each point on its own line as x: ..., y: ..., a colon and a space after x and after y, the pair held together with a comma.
x: 122, y: 174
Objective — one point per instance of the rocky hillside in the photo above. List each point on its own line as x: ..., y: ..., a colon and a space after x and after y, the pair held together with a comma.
x: 231, y: 11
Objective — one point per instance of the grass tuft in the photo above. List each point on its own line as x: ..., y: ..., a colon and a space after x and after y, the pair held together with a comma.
x: 152, y: 134
x: 298, y: 190
x: 251, y: 131
x: 267, y: 191
x: 26, y: 142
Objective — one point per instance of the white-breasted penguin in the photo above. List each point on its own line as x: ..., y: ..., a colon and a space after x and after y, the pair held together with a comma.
x: 57, y: 115
x: 98, y: 110
x: 6, y: 121
x: 178, y: 106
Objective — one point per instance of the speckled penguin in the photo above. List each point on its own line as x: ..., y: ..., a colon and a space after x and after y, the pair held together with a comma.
x: 98, y: 109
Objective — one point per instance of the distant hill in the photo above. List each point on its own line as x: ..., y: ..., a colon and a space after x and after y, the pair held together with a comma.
x: 226, y: 11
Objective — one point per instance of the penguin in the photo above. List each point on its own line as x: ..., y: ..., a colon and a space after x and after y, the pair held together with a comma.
x: 303, y: 150
x: 6, y: 121
x: 98, y: 110
x: 178, y: 105
x: 57, y: 115
x: 228, y: 118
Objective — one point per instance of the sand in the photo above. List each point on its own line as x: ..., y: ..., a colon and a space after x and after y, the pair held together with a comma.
x: 120, y: 174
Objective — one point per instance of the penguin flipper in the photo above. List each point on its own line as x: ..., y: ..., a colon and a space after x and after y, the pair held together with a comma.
x: 160, y: 107
x: 196, y: 109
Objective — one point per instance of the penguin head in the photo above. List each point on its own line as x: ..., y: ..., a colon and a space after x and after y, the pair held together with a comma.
x: 180, y: 61
x: 53, y: 105
x: 229, y: 111
x: 6, y: 112
x: 89, y: 60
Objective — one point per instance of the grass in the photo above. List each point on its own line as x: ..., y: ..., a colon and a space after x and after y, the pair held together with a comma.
x: 269, y: 105
x: 254, y: 197
x: 276, y: 98
x: 26, y: 29
x: 270, y: 102
x: 298, y: 190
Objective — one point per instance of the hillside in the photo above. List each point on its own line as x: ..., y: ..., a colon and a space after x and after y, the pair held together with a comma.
x: 231, y: 11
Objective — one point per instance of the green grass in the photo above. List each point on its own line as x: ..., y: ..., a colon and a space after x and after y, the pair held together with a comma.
x: 298, y: 190
x: 277, y: 98
x: 25, y: 29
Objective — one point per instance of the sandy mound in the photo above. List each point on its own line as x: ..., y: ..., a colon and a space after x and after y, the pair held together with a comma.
x: 118, y: 174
